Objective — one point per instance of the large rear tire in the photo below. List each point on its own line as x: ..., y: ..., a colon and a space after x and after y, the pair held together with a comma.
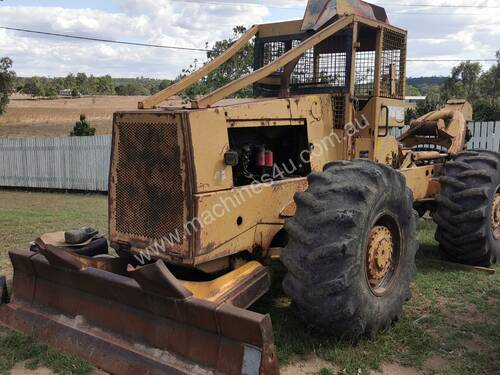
x: 351, y: 249
x: 468, y: 214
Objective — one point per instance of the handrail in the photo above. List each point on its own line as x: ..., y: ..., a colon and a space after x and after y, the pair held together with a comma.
x: 154, y: 100
x: 268, y: 69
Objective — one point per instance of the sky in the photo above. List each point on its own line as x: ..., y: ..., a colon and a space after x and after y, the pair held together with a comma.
x: 434, y: 32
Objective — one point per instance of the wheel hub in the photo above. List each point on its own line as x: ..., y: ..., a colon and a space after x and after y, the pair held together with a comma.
x: 495, y: 215
x: 380, y: 254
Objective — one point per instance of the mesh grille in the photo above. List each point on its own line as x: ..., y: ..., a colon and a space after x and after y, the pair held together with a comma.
x: 149, y: 186
x: 272, y: 51
x: 393, y: 64
x: 338, y: 103
x: 332, y: 68
x: 329, y: 70
x: 304, y: 70
x: 365, y: 73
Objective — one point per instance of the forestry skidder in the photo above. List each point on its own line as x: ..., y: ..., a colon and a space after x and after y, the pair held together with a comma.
x: 201, y: 200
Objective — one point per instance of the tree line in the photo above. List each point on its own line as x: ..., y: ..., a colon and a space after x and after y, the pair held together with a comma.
x: 79, y: 84
x: 468, y: 80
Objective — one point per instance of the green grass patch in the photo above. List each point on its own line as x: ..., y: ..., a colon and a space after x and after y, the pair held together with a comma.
x: 454, y: 314
x: 15, y: 348
x: 450, y: 307
x: 26, y: 215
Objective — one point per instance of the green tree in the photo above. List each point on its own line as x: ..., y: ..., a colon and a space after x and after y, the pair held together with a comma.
x: 81, y: 81
x: 486, y: 111
x: 132, y: 89
x: 82, y: 128
x: 412, y: 91
x: 34, y: 86
x: 430, y: 104
x: 70, y: 82
x: 239, y: 65
x: 51, y: 91
x: 464, y: 82
x: 7, y: 80
x: 162, y: 86
x: 490, y: 83
x: 105, y: 86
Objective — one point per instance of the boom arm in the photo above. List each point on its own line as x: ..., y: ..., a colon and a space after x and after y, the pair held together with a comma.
x: 184, y: 83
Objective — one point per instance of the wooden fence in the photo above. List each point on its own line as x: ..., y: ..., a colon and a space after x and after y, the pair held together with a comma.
x: 82, y: 163
x: 485, y: 136
x: 79, y: 163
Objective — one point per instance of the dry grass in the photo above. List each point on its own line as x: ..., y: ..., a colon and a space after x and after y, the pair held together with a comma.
x: 55, y: 118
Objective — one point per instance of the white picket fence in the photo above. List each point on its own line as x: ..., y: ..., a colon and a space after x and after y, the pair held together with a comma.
x: 485, y: 136
x: 82, y: 163
x: 79, y: 163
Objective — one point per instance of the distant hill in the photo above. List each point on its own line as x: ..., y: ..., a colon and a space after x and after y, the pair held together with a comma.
x: 428, y: 81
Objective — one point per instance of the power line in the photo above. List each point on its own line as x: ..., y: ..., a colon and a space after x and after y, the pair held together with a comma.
x: 441, y: 14
x: 187, y: 48
x: 441, y: 6
x: 103, y: 40
x: 259, y: 4
x: 450, y: 60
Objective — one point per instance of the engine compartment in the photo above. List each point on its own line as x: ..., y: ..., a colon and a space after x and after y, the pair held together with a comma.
x: 266, y: 154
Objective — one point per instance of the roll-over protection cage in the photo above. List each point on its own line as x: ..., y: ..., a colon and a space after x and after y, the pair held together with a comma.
x: 348, y: 55
x: 328, y: 66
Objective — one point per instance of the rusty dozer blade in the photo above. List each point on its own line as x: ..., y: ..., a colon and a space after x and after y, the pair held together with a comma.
x: 142, y: 320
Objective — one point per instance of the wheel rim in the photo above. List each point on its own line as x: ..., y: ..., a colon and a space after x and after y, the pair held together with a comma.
x: 383, y: 253
x: 495, y: 216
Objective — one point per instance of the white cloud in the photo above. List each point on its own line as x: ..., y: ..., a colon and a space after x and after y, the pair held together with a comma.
x: 161, y: 22
x: 454, y: 33
x: 447, y: 33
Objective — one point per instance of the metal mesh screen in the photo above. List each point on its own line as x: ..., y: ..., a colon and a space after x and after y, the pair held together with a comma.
x: 303, y: 73
x: 332, y: 69
x: 365, y: 73
x: 338, y: 103
x: 393, y: 65
x: 149, y: 186
x: 324, y: 70
x: 273, y: 50
x: 328, y: 69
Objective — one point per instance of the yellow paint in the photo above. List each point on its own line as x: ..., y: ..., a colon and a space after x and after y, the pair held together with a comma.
x: 218, y: 289
x: 241, y: 219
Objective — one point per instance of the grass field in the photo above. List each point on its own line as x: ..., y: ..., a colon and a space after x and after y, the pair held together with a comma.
x: 450, y: 327
x: 26, y: 117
